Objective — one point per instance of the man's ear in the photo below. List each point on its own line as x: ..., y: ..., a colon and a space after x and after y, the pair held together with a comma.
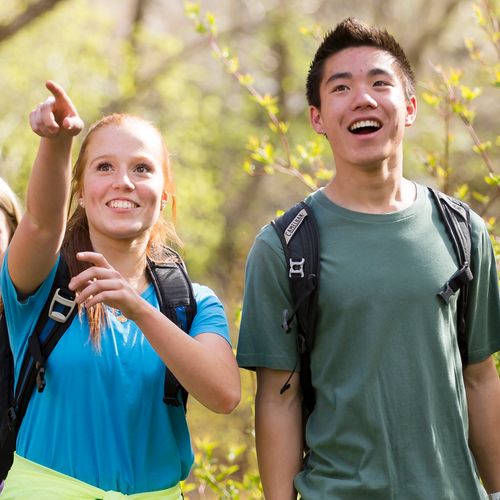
x: 411, y: 111
x: 316, y: 119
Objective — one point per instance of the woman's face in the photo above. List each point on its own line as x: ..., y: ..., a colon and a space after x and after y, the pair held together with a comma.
x: 123, y: 181
x: 5, y: 234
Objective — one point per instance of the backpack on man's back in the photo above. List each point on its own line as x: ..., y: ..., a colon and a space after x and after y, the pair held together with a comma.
x: 299, y: 236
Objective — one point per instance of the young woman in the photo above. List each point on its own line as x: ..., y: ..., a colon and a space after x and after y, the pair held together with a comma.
x: 100, y: 428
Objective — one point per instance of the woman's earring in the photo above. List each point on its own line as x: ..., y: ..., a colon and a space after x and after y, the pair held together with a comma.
x: 164, y: 201
x: 80, y: 202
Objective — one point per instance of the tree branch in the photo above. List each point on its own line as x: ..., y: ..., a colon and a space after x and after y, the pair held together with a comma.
x: 34, y: 11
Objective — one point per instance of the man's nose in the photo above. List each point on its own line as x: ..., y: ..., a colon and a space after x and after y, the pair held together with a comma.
x: 363, y: 98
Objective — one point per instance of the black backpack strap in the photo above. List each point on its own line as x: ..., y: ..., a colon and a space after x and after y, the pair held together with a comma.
x: 299, y: 236
x: 455, y: 216
x: 8, y: 439
x: 176, y: 299
x: 60, y: 309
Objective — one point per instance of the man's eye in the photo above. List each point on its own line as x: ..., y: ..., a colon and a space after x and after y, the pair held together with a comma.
x: 340, y: 88
x: 381, y: 83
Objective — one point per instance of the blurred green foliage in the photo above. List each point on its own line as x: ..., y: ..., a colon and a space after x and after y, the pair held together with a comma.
x: 194, y: 82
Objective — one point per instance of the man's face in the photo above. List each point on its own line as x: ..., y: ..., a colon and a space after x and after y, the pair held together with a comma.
x: 364, y: 110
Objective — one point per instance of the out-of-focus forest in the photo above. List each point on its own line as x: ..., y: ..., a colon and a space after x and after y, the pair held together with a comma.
x: 224, y: 81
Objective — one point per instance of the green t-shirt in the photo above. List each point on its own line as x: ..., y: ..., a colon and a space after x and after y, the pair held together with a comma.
x: 390, y: 420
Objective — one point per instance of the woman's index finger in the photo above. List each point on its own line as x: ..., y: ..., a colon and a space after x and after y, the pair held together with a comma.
x: 58, y: 92
x: 95, y: 258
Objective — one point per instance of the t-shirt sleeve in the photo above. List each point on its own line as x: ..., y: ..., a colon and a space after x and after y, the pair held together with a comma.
x: 262, y: 341
x: 483, y: 318
x: 210, y: 316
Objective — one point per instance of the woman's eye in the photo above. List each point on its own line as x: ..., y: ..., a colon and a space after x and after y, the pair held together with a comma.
x: 104, y: 167
x: 142, y: 168
x: 381, y: 83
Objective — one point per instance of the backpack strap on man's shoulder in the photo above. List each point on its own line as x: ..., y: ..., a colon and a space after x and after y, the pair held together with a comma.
x: 176, y: 300
x: 299, y: 236
x: 455, y: 216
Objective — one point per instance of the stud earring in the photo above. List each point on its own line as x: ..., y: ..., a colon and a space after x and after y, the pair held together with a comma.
x: 80, y: 202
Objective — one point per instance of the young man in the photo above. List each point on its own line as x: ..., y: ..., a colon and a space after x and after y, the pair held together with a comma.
x: 397, y: 416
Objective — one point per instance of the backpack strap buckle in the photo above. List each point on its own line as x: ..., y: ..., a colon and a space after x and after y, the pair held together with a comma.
x: 67, y: 303
x: 11, y: 418
x: 459, y: 278
x: 296, y: 267
x: 285, y: 324
x: 40, y: 376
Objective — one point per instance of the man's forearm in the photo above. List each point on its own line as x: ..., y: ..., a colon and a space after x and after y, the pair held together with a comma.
x: 279, y: 442
x: 483, y: 398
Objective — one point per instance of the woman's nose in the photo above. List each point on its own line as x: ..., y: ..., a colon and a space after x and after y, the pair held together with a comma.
x: 122, y: 180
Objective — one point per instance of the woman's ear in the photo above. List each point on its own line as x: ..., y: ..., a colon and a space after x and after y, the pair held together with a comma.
x: 80, y: 200
x: 164, y: 200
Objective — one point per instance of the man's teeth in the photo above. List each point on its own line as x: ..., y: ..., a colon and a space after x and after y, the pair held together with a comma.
x: 365, y: 123
x: 121, y: 204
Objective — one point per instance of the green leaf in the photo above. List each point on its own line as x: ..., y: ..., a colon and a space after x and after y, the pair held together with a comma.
x: 191, y: 9
x: 462, y: 192
x: 481, y: 198
x: 324, y: 174
x: 481, y: 148
x: 210, y: 19
x: 233, y: 65
x: 246, y: 80
x: 309, y: 180
x: 200, y: 28
x: 248, y: 167
x: 492, y: 180
x: 455, y: 77
x: 469, y: 94
x: 431, y: 99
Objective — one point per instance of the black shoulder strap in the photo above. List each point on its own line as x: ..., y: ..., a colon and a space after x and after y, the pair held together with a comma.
x: 59, y: 309
x: 176, y: 299
x: 455, y: 216
x: 299, y: 237
x: 8, y: 441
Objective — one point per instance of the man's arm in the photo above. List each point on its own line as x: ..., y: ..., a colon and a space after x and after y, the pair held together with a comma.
x: 279, y: 433
x: 482, y: 385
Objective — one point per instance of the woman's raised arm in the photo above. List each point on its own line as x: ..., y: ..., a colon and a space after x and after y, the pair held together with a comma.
x: 34, y: 247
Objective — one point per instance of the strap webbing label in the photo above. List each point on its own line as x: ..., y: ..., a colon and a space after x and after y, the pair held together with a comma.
x: 294, y: 225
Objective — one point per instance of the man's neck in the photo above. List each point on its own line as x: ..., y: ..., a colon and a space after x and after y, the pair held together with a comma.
x: 375, y: 191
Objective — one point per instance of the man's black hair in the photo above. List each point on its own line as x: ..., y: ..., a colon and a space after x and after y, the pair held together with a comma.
x: 353, y: 33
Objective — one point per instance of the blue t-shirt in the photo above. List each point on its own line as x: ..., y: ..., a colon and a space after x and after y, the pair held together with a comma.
x: 101, y: 417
